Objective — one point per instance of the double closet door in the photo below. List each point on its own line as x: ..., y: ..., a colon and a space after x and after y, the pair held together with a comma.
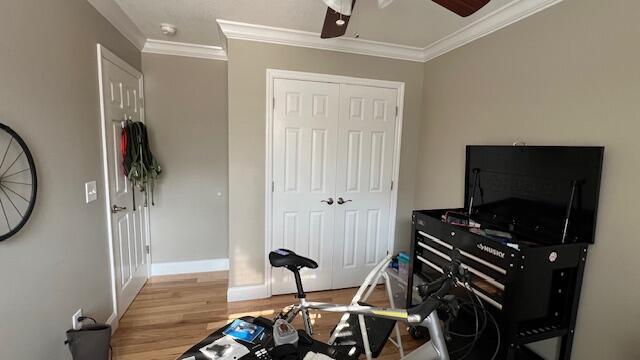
x: 333, y: 154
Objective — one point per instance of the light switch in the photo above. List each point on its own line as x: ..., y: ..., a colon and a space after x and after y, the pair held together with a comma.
x: 91, y: 191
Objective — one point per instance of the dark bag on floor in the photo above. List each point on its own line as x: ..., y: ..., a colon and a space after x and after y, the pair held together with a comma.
x: 90, y: 343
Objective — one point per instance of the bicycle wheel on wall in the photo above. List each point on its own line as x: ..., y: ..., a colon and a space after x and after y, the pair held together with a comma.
x: 18, y: 183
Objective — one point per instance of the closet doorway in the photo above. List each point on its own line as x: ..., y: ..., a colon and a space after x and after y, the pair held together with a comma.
x: 333, y: 147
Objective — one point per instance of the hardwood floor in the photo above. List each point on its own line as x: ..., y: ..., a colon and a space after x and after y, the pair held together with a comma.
x: 173, y: 313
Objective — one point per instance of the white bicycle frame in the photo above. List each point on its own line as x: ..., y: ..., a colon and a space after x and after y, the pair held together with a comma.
x: 435, y: 349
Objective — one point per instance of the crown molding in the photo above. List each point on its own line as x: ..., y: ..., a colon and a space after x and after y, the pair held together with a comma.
x: 184, y: 49
x: 119, y: 19
x: 274, y: 35
x: 508, y: 14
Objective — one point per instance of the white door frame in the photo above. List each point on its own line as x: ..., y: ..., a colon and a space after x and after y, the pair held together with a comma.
x: 106, y: 54
x: 273, y: 74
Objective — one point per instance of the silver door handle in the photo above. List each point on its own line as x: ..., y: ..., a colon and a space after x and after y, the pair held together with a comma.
x: 329, y: 201
x: 116, y: 208
x: 342, y: 201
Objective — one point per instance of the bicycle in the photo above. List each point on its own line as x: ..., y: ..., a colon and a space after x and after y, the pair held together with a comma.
x: 434, y: 294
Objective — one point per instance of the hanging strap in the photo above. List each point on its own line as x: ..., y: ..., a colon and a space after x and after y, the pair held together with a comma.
x: 138, y: 162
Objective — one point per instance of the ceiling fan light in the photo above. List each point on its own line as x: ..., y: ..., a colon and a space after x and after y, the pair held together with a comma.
x: 340, y: 22
x: 340, y: 6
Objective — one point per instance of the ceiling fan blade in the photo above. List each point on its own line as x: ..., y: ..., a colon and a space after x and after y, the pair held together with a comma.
x: 331, y: 29
x: 463, y: 8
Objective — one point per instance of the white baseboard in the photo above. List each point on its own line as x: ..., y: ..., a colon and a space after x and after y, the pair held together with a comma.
x: 189, y: 267
x: 242, y: 293
x: 112, y: 320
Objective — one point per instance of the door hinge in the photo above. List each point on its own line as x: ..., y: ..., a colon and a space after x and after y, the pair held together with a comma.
x: 397, y: 111
x: 147, y: 248
x: 273, y: 186
x: 273, y: 103
x: 391, y: 185
x: 141, y: 102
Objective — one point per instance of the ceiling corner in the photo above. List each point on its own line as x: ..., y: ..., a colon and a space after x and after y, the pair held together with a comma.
x: 120, y: 20
x: 510, y: 13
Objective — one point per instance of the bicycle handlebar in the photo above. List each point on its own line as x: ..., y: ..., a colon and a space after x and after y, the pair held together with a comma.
x: 420, y: 312
x: 453, y: 273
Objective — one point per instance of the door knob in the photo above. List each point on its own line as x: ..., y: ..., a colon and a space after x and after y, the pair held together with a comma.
x: 116, y: 208
x: 328, y: 201
x: 342, y: 201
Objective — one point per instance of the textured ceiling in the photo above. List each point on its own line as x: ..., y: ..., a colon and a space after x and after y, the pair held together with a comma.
x: 407, y: 22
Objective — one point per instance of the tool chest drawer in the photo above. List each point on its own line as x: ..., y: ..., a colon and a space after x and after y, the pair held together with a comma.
x: 531, y: 287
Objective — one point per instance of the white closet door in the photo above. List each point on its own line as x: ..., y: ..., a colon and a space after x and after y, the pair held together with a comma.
x: 304, y: 171
x: 366, y: 138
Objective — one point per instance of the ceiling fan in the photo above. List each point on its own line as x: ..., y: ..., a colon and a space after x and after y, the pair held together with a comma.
x: 339, y: 13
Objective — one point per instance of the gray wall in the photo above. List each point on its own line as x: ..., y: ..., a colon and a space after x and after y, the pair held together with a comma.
x: 49, y: 95
x: 248, y: 62
x: 186, y: 111
x: 568, y: 76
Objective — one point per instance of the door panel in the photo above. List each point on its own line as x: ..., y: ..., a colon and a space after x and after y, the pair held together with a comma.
x: 122, y: 91
x: 332, y: 141
x: 364, y: 173
x: 304, y: 153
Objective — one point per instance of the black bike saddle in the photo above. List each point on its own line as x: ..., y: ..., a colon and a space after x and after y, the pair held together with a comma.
x: 289, y: 259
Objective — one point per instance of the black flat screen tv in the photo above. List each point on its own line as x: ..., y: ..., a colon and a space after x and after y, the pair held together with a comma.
x: 543, y: 194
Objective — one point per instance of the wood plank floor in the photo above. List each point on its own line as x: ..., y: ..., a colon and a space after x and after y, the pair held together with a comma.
x: 173, y: 313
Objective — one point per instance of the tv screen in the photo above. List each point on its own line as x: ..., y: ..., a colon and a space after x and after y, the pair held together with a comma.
x: 531, y: 191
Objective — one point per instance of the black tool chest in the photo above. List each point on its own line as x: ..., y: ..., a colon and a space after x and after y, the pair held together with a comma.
x: 531, y: 285
x: 533, y: 292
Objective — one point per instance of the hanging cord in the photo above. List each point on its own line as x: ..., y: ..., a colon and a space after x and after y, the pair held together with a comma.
x: 128, y: 156
x: 477, y: 303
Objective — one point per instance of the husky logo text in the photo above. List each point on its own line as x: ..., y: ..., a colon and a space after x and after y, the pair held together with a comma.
x: 491, y: 250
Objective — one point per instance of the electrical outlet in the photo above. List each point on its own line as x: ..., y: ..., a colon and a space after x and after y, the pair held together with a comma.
x: 74, y: 320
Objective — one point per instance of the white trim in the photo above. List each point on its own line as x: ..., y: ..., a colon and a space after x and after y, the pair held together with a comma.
x: 510, y: 13
x: 184, y: 49
x: 113, y: 321
x: 268, y: 188
x: 119, y: 19
x: 242, y: 293
x: 282, y: 36
x: 189, y: 267
x: 104, y: 54
x: 273, y: 74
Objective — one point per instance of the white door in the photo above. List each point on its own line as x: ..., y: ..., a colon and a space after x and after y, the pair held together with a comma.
x: 332, y: 141
x: 366, y: 139
x: 304, y: 168
x: 122, y: 98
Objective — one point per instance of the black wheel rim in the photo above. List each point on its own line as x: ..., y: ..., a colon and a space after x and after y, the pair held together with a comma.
x: 18, y: 184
